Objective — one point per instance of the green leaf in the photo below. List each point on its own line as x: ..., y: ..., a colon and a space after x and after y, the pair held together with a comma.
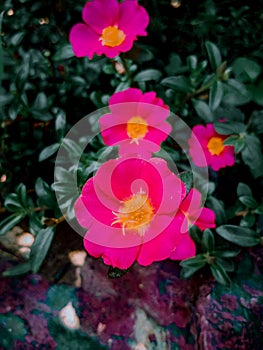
x: 241, y: 236
x: 203, y: 110
x: 248, y: 220
x: 187, y: 178
x: 249, y: 202
x: 63, y: 53
x: 16, y: 39
x: 19, y: 202
x: 192, y: 265
x: 35, y: 224
x: 22, y: 194
x: 58, y: 296
x: 147, y: 75
x: 246, y: 69
x: 1, y: 49
x: 252, y: 155
x: 48, y: 151
x: 214, y: 55
x: 226, y: 253
x: 218, y: 207
x: 175, y: 65
x: 227, y: 264
x: 11, y: 328
x: 115, y: 272
x: 196, y: 234
x: 67, y: 339
x: 73, y: 148
x: 237, y: 141
x: 245, y: 268
x: 41, y: 101
x: 198, y: 260
x: 109, y: 69
x: 257, y: 120
x: 229, y: 127
x: 208, y: 241
x: 45, y: 193
x: 18, y: 270
x: 236, y: 93
x: 257, y: 93
x: 60, y: 122
x: 215, y: 95
x: 123, y: 86
x: 40, y: 247
x: 8, y: 223
x: 192, y: 62
x: 179, y: 83
x: 12, y: 203
x: 220, y: 274
x: 243, y: 190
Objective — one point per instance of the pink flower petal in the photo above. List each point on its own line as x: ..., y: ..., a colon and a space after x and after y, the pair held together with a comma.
x: 153, y: 114
x: 127, y: 104
x: 149, y: 97
x: 133, y: 19
x: 84, y: 41
x: 185, y: 249
x: 112, y: 236
x: 99, y: 14
x: 114, y: 135
x: 142, y: 149
x: 122, y: 258
x: 201, y: 136
x: 191, y: 202
x: 101, y: 197
x: 129, y: 95
x: 158, y: 134
x: 226, y: 158
x: 112, y: 52
x: 102, y: 206
x: 125, y: 46
x: 160, y: 247
x: 138, y: 175
x: 173, y: 188
x: 206, y: 219
x: 82, y: 214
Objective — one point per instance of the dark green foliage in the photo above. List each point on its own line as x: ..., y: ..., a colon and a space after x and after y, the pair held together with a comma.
x: 203, y: 59
x: 68, y: 339
x: 59, y: 296
x: 11, y: 328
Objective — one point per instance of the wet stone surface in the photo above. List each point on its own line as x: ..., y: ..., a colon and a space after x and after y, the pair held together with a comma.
x: 147, y: 308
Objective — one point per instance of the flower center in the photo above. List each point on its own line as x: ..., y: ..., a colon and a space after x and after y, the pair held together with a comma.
x: 215, y: 145
x: 135, y: 213
x: 112, y: 36
x: 136, y: 128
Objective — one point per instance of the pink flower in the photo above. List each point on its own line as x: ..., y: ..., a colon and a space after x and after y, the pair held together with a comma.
x: 136, y: 123
x: 191, y: 213
x: 110, y: 28
x: 130, y: 210
x: 216, y: 153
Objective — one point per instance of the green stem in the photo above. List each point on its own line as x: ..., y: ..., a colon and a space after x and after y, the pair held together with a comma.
x: 200, y: 90
x: 126, y: 68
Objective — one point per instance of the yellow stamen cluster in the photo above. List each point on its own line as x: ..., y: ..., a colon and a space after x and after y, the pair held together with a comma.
x: 137, y: 128
x: 112, y: 36
x: 135, y: 213
x: 215, y: 145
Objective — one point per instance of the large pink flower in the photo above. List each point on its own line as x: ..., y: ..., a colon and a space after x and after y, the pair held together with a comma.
x: 191, y: 213
x: 136, y: 123
x: 216, y: 153
x: 130, y: 210
x: 110, y: 28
